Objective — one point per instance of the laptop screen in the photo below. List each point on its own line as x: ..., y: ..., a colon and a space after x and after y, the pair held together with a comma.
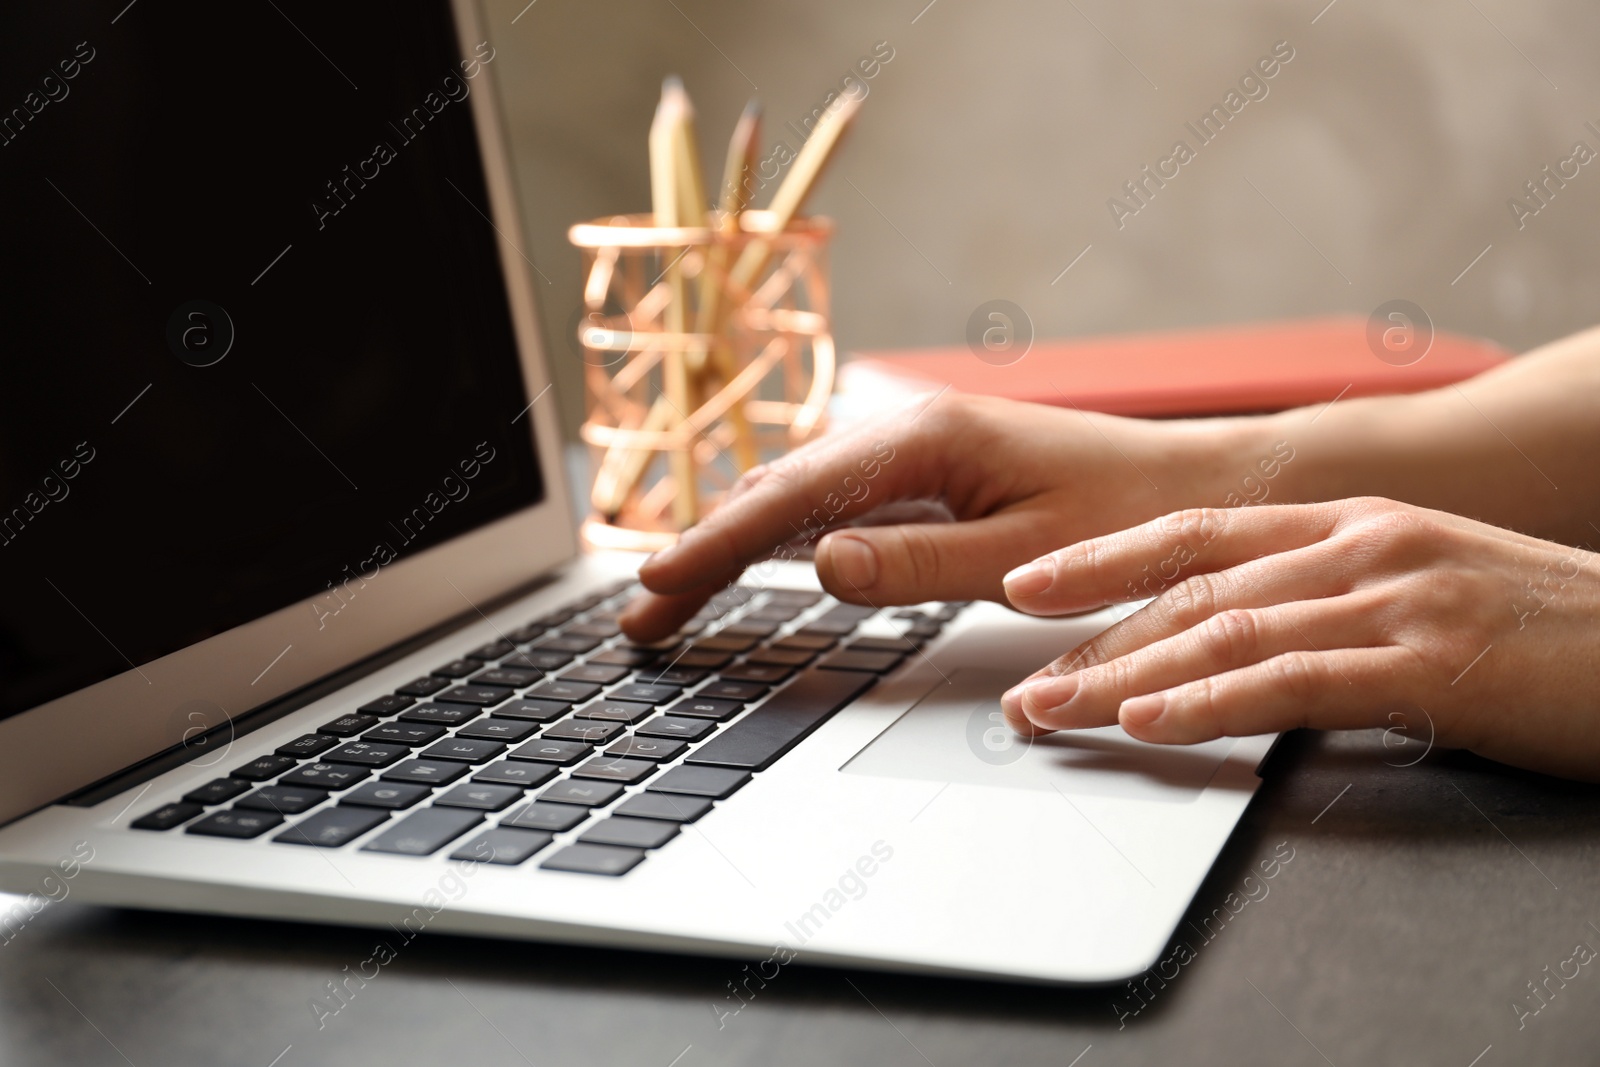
x: 257, y: 342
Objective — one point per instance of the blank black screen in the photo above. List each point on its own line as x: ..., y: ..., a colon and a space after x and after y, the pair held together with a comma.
x: 303, y: 177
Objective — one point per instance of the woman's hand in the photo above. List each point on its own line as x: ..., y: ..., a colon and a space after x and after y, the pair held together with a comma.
x: 1018, y: 479
x: 1355, y: 613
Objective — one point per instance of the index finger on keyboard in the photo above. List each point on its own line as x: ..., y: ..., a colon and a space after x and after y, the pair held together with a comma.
x: 797, y: 497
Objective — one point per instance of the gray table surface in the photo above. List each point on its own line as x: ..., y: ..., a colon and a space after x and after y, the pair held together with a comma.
x: 1419, y: 903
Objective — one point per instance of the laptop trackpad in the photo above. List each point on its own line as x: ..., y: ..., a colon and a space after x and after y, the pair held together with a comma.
x: 957, y: 734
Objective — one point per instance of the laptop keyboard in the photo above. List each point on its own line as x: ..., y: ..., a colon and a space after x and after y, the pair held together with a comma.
x: 564, y: 729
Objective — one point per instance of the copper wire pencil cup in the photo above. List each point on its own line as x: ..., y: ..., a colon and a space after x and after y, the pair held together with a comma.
x: 759, y: 361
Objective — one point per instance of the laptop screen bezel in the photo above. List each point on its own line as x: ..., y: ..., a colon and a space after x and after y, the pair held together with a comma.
x: 123, y: 720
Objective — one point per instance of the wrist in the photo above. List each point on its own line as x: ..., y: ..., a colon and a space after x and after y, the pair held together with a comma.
x: 1223, y: 462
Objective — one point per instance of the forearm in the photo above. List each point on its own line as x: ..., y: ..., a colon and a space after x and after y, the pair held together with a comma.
x: 1515, y: 447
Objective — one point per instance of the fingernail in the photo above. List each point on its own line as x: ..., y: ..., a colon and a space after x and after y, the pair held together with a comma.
x: 1048, y: 696
x: 1031, y: 579
x: 854, y: 561
x: 1142, y: 711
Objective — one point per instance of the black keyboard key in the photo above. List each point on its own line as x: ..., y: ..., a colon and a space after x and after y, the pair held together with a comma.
x: 388, y: 705
x: 626, y: 657
x: 879, y: 644
x: 217, y: 791
x: 675, y: 727
x: 552, y: 817
x: 231, y: 823
x: 523, y: 634
x: 333, y: 776
x: 558, y: 752
x: 595, y: 627
x: 367, y: 754
x: 259, y: 770
x: 308, y: 745
x: 614, y: 769
x: 617, y: 711
x: 749, y: 627
x: 725, y: 643
x: 804, y: 598
x: 630, y: 833
x: 423, y: 687
x: 714, y: 782
x: 776, y: 612
x: 458, y: 668
x: 655, y: 749
x: 744, y: 692
x: 599, y: 673
x: 533, y: 710
x: 506, y: 676
x: 646, y: 694
x: 507, y: 847
x: 567, y: 643
x: 444, y: 714
x: 555, y: 689
x: 333, y: 827
x: 508, y: 731
x: 781, y: 657
x: 680, y: 676
x: 807, y: 642
x: 589, y: 731
x: 167, y: 816
x: 493, y: 650
x: 763, y: 673
x: 425, y: 772
x: 582, y: 793
x: 700, y: 707
x: 348, y: 725
x: 483, y: 696
x: 828, y: 627
x: 668, y: 806
x: 849, y: 613
x: 481, y: 796
x: 405, y: 733
x: 594, y: 859
x: 756, y: 740
x: 511, y: 772
x: 538, y: 661
x: 466, y: 750
x: 424, y: 832
x: 283, y: 799
x: 390, y: 795
x: 706, y: 659
x: 875, y: 662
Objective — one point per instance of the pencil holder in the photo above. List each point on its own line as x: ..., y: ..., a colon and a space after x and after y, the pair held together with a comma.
x: 693, y: 376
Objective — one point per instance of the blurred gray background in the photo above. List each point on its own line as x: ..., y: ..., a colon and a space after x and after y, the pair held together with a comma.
x: 1378, y: 166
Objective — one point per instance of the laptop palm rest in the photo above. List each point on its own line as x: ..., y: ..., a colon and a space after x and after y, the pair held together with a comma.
x: 957, y: 733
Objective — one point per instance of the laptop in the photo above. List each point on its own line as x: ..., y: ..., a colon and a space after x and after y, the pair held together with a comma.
x: 296, y: 625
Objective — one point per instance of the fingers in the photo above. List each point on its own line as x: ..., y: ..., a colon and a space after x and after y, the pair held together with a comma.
x: 1304, y: 574
x: 1143, y: 561
x: 1071, y: 698
x: 651, y: 616
x: 800, y: 495
x: 1343, y: 689
x: 913, y: 562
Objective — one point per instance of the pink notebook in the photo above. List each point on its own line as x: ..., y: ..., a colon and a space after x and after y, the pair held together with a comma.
x: 1211, y: 371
